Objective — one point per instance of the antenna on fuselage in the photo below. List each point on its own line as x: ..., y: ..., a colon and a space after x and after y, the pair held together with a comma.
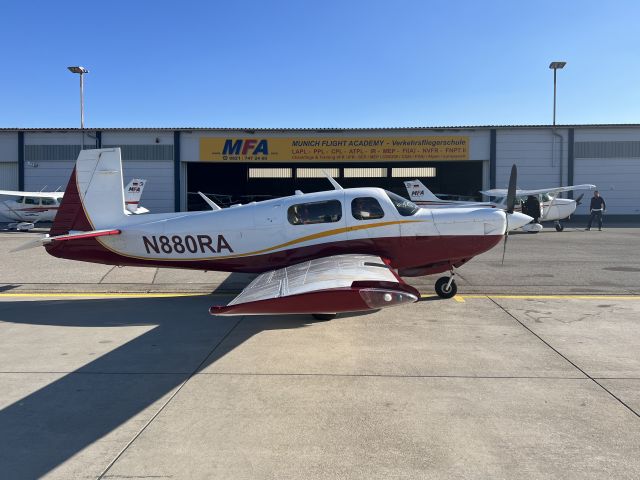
x: 210, y: 202
x: 335, y: 184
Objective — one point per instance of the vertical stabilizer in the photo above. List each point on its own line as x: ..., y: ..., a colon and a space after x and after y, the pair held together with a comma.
x: 418, y: 192
x: 94, y: 196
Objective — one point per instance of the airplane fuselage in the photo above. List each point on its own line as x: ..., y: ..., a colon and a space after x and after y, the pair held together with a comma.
x: 276, y: 233
x: 29, y: 209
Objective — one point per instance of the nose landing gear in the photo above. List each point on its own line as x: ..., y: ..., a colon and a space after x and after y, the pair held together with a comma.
x: 559, y: 226
x: 446, y: 286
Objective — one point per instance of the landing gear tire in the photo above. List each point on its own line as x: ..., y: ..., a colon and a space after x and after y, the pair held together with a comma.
x: 446, y: 292
x: 324, y: 316
x: 559, y: 227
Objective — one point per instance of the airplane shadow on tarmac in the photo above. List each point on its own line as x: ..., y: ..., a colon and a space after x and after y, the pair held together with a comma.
x: 49, y: 426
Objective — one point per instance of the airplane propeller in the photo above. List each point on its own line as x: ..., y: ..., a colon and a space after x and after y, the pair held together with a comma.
x: 510, y: 204
x: 579, y: 199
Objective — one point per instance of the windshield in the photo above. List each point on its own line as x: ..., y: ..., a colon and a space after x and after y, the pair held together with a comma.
x: 405, y: 207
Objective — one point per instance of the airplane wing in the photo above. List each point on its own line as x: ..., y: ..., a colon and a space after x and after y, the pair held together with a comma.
x: 15, y: 193
x: 340, y: 283
x: 501, y: 192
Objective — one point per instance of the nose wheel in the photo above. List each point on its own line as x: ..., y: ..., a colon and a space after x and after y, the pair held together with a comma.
x: 446, y: 287
x: 559, y: 227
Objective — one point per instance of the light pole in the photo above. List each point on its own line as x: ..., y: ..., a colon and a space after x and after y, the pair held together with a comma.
x: 80, y: 71
x: 555, y: 66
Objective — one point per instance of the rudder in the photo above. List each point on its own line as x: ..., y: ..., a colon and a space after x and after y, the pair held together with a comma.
x: 94, y: 197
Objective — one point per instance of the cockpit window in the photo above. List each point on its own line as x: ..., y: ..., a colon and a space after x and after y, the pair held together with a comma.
x: 48, y: 201
x: 32, y: 201
x: 366, y: 208
x: 329, y: 211
x: 405, y: 207
x: 545, y: 197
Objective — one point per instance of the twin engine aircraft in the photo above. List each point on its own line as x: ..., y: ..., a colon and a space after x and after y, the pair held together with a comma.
x: 551, y: 206
x: 342, y: 250
x: 28, y: 208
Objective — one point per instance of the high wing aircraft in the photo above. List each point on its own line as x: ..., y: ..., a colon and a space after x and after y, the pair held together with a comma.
x: 28, y: 208
x: 320, y: 253
x: 552, y: 208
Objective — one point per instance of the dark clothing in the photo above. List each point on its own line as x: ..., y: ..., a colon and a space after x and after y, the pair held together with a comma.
x: 597, y: 203
x: 595, y: 214
x: 597, y: 207
x: 532, y: 206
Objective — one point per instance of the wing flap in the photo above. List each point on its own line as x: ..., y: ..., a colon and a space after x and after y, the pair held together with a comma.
x: 341, y: 283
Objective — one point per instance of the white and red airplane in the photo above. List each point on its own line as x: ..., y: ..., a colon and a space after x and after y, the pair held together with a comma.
x: 28, y: 208
x: 321, y: 253
x: 552, y: 207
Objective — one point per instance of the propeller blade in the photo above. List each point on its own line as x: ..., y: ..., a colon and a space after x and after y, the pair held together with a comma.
x: 579, y: 199
x: 506, y: 237
x: 511, y: 191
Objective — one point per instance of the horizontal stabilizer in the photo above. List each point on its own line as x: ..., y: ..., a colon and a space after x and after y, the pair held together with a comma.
x: 342, y: 283
x: 45, y: 240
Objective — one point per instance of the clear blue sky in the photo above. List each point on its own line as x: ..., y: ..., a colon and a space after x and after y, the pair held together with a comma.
x: 320, y: 63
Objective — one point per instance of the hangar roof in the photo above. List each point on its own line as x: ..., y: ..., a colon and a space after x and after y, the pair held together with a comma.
x: 319, y: 130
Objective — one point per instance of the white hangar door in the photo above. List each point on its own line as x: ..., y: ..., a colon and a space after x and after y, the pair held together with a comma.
x: 616, y: 177
x: 48, y: 167
x: 155, y: 164
x: 8, y: 175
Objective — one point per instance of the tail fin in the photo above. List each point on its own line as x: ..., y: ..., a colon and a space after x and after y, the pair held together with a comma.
x: 94, y: 198
x: 417, y: 191
x: 132, y: 195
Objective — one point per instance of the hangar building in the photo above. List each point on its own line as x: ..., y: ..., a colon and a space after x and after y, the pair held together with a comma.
x: 240, y: 165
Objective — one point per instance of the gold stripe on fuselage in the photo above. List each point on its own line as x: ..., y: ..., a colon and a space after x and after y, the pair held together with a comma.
x: 306, y: 238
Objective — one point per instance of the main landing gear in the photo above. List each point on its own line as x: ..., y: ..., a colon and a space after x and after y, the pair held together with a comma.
x: 559, y: 226
x: 446, y: 286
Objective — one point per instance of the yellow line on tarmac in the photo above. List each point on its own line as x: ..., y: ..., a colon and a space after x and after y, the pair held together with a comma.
x: 461, y: 299
x: 107, y: 295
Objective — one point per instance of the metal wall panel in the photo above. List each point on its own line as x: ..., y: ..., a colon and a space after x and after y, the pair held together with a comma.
x: 531, y: 150
x: 8, y: 146
x: 604, y: 149
x: 616, y: 178
x: 144, y: 152
x: 158, y: 192
x: 8, y: 176
x: 37, y: 153
x: 49, y: 174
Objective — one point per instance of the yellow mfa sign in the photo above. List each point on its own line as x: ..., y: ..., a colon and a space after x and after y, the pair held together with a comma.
x: 365, y: 149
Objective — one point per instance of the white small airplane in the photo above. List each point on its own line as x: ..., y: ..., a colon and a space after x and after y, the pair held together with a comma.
x: 322, y: 253
x: 28, y: 208
x: 552, y: 208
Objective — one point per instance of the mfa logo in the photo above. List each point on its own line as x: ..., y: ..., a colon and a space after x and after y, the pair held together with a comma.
x: 245, y: 147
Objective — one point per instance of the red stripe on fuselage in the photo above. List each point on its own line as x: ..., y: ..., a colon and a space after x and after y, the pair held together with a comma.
x: 403, y: 252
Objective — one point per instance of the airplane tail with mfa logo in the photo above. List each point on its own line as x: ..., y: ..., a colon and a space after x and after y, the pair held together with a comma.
x: 418, y: 192
x: 132, y: 195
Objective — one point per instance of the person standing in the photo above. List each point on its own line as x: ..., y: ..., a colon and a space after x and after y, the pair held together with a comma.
x: 598, y: 206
